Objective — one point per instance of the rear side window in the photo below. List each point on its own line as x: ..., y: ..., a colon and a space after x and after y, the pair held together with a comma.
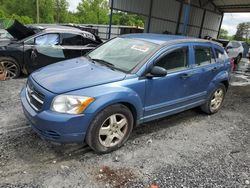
x: 220, y: 55
x: 175, y: 60
x: 235, y: 44
x: 71, y: 39
x: 203, y: 55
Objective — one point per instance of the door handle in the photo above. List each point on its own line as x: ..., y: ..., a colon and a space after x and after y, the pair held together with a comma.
x: 186, y: 76
x: 33, y: 54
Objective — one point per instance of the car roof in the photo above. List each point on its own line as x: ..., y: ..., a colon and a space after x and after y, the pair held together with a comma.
x: 65, y: 29
x: 162, y: 39
x: 57, y: 28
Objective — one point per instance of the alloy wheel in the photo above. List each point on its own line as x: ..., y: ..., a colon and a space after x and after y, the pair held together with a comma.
x: 113, y: 130
x: 217, y: 100
x: 8, y: 70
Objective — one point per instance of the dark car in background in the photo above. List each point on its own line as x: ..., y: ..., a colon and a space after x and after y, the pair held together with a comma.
x: 33, y: 47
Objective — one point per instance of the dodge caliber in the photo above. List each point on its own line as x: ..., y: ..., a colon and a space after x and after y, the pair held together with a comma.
x: 132, y: 79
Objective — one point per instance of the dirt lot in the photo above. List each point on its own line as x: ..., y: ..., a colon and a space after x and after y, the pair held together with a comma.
x: 189, y: 149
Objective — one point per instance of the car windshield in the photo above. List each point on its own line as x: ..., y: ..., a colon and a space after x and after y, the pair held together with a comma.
x: 122, y: 53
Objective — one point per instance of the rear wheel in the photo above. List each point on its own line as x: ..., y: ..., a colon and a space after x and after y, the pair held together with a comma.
x: 215, y: 100
x: 9, y: 68
x: 110, y: 129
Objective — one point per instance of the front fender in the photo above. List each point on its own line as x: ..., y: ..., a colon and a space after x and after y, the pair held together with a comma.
x: 112, y: 94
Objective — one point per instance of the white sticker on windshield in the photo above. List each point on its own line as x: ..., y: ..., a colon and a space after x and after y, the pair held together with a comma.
x: 140, y: 48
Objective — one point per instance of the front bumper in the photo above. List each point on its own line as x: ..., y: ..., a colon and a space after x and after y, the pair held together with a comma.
x: 63, y: 128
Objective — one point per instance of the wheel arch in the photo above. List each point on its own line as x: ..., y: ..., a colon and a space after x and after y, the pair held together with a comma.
x: 129, y: 99
x: 14, y: 58
x: 225, y: 83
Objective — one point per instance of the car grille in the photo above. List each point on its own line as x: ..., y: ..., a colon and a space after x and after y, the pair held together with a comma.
x: 34, y: 97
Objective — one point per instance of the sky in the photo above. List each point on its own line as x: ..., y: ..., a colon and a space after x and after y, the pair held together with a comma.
x: 230, y: 21
x: 73, y: 4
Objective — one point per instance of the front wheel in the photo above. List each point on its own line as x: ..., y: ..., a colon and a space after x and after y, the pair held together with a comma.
x: 215, y: 100
x: 110, y: 129
x: 9, y: 68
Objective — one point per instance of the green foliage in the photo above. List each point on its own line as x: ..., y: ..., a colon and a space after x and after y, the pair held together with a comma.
x: 22, y: 19
x: 223, y: 34
x: 121, y: 18
x: 93, y: 11
x: 243, y: 32
x: 56, y: 11
x: 61, y: 9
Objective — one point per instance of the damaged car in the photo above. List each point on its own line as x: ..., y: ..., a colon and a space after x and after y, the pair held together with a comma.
x: 34, y: 47
x: 127, y: 81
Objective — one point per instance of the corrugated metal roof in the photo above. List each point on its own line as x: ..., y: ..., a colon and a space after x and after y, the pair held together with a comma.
x: 232, y: 5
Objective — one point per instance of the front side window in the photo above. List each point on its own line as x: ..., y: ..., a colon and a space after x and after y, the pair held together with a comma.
x: 175, y: 60
x: 203, y: 56
x: 48, y: 39
x: 71, y: 39
x: 123, y: 53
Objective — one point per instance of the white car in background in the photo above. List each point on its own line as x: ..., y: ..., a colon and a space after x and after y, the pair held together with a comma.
x: 235, y: 50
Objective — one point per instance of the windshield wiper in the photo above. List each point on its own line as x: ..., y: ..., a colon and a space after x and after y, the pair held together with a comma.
x: 110, y: 65
x: 89, y: 58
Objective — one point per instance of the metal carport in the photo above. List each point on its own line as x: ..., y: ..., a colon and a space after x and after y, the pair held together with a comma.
x: 198, y: 18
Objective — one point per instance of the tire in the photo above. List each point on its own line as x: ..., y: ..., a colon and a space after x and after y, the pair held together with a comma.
x: 237, y: 59
x: 110, y: 129
x: 9, y: 68
x: 210, y: 108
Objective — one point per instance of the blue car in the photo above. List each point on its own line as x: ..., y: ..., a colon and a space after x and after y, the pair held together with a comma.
x: 127, y: 81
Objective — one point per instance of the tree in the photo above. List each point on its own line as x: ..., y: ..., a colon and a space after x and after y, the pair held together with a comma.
x: 61, y: 10
x: 243, y: 31
x: 93, y: 11
x: 46, y: 10
x: 122, y: 18
x: 223, y: 34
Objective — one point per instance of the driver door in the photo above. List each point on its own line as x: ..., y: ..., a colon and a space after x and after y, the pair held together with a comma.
x: 171, y: 93
x: 42, y: 50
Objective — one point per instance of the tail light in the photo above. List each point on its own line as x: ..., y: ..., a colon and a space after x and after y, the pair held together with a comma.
x: 232, y: 64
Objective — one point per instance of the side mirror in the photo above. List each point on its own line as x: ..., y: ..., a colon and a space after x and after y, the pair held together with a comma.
x: 229, y: 47
x: 157, y: 71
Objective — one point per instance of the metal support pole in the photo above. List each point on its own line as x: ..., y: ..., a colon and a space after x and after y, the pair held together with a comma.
x: 202, y: 22
x: 37, y: 11
x: 186, y: 17
x: 222, y: 17
x: 149, y: 16
x: 179, y: 18
x: 110, y: 18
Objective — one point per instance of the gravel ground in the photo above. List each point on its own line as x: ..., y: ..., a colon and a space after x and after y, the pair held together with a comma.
x: 189, y: 149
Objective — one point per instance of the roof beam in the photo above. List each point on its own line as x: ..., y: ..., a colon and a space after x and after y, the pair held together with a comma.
x: 235, y: 8
x: 212, y: 3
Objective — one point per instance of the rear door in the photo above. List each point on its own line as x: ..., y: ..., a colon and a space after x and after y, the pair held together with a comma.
x: 204, y: 66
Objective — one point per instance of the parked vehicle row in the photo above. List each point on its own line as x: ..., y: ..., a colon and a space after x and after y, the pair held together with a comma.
x: 235, y: 49
x: 130, y: 80
x: 34, y: 47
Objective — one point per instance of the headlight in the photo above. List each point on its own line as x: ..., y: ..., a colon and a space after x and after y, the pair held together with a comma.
x: 71, y: 104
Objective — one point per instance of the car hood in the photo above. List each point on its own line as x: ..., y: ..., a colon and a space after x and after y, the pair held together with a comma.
x: 19, y: 31
x: 75, y: 74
